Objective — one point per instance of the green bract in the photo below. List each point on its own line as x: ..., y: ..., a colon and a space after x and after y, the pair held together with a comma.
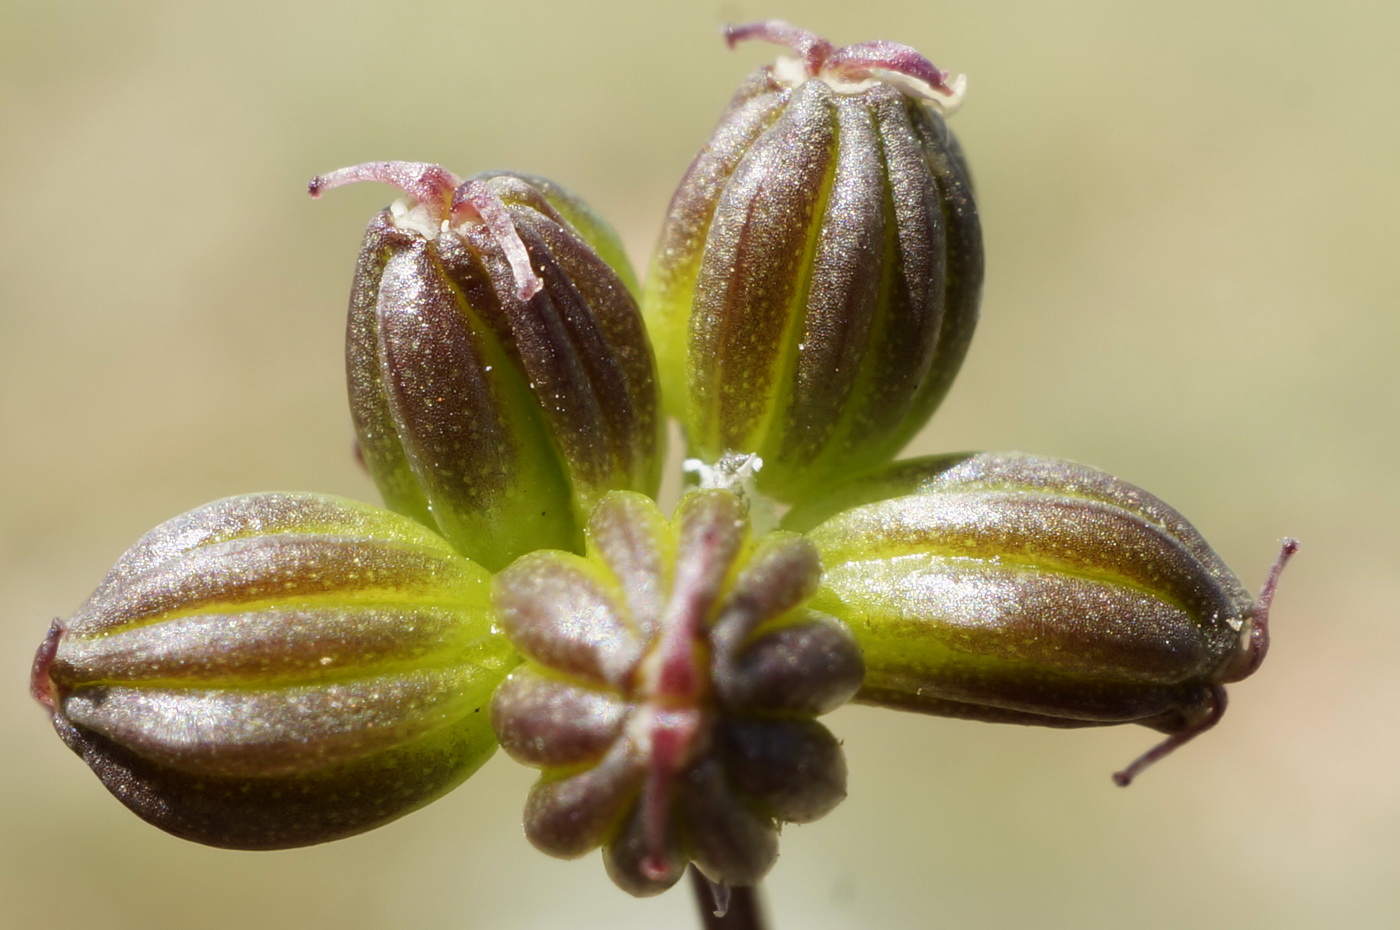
x: 817, y: 281
x: 500, y: 375
x: 277, y: 670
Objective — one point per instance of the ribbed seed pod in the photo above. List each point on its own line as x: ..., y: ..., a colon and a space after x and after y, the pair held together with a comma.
x: 500, y: 376
x: 1030, y: 590
x: 278, y: 670
x: 669, y: 689
x: 816, y: 284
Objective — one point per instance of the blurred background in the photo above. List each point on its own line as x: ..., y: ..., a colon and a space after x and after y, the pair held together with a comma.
x: 1190, y: 216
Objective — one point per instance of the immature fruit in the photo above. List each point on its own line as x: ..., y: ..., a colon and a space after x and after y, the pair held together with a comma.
x: 1022, y: 589
x: 500, y: 377
x: 817, y: 281
x: 278, y: 670
x: 669, y: 690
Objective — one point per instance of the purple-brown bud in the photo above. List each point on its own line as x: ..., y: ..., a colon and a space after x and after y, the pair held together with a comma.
x: 671, y: 680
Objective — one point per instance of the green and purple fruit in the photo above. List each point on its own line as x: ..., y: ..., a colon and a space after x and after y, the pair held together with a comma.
x: 1022, y: 589
x: 277, y: 670
x: 500, y: 377
x: 817, y: 281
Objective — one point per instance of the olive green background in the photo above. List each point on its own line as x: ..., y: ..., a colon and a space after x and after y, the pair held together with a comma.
x: 1190, y: 212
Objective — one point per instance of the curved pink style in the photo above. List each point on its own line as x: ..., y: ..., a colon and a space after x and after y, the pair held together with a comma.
x: 857, y: 62
x: 1250, y: 658
x: 475, y: 198
x: 813, y: 48
x: 852, y: 62
x: 446, y: 197
x: 430, y: 185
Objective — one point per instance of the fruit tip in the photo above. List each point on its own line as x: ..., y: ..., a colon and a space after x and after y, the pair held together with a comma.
x: 41, y: 685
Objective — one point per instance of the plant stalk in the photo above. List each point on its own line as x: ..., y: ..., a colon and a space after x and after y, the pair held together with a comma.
x: 725, y: 908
